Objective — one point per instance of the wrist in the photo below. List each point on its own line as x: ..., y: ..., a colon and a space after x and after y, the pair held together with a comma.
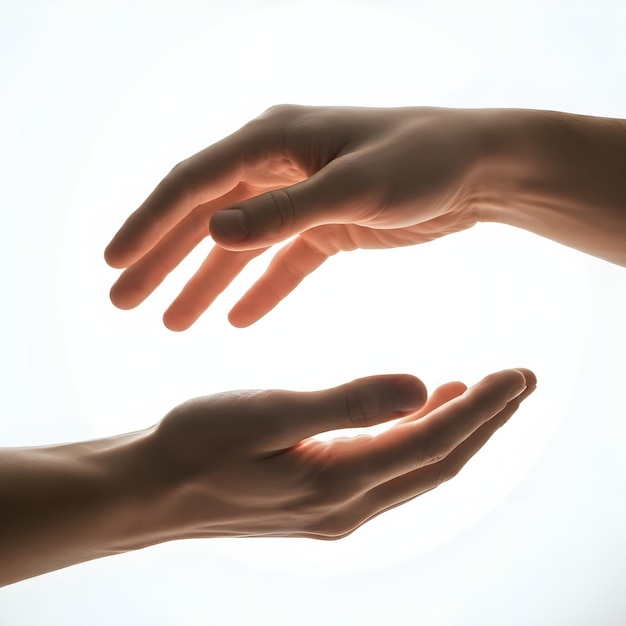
x: 135, y: 491
x: 71, y: 503
x: 558, y: 175
x: 509, y: 174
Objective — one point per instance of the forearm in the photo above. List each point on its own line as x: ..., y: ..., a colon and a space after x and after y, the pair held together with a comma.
x: 62, y: 505
x: 558, y: 175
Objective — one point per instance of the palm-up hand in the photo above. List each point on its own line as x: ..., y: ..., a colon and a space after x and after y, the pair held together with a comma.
x: 335, y: 178
x: 245, y: 463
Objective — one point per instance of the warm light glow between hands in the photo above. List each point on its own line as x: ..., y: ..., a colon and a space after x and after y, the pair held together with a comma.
x: 457, y: 309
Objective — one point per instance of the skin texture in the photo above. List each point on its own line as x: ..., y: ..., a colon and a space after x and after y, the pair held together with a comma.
x: 245, y: 463
x: 337, y: 179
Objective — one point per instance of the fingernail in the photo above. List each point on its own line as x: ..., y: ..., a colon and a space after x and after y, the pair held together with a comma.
x: 406, y: 396
x: 230, y: 225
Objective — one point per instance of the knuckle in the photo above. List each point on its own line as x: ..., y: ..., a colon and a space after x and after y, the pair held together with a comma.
x: 334, y: 526
x: 284, y: 210
x: 294, y: 273
x: 438, y: 455
x: 365, y: 403
x: 446, y: 470
x: 183, y: 183
x: 272, y: 123
x: 353, y: 170
x: 161, y: 260
x: 320, y: 248
x: 199, y: 225
x: 432, y: 450
x: 331, y: 506
x: 280, y: 110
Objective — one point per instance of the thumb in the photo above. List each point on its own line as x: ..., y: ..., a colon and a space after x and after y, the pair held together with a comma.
x: 292, y: 417
x: 334, y: 195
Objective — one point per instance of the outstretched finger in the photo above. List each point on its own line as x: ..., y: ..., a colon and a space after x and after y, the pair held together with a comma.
x: 289, y: 267
x: 139, y: 280
x: 203, y: 177
x: 404, y: 488
x: 410, y: 446
x: 217, y: 271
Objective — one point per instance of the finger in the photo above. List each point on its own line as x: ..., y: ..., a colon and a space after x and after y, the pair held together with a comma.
x: 337, y: 194
x: 137, y: 282
x: 207, y: 175
x: 217, y: 271
x: 289, y: 267
x: 405, y: 488
x: 284, y: 418
x: 410, y: 446
x: 437, y: 398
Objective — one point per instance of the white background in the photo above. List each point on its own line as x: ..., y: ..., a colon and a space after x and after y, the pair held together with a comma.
x: 99, y: 100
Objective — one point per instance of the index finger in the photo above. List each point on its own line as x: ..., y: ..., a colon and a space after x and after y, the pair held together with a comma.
x: 205, y: 176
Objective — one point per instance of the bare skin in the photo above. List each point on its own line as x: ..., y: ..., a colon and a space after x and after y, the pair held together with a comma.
x: 345, y: 178
x: 242, y: 464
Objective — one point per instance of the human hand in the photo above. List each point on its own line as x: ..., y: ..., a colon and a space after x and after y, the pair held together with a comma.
x: 335, y: 178
x: 245, y: 463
